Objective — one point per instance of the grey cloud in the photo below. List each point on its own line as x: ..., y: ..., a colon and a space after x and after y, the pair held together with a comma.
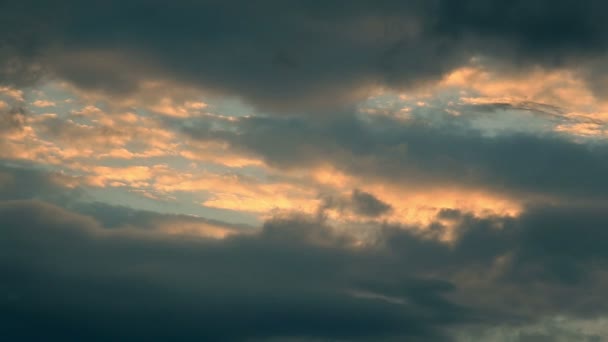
x: 115, y: 217
x: 366, y: 204
x: 67, y: 271
x: 530, y: 106
x: 416, y: 152
x: 22, y: 182
x: 69, y: 277
x: 12, y: 118
x: 283, y: 56
x: 533, y: 30
x: 359, y: 202
x: 102, y: 272
x: 553, y: 329
x: 87, y: 274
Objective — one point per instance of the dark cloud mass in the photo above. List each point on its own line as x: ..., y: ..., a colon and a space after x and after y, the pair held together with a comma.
x: 444, y: 154
x: 336, y: 144
x: 276, y: 284
x: 69, y: 276
x: 283, y: 55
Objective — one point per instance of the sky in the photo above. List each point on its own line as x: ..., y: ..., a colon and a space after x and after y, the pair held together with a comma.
x: 304, y: 170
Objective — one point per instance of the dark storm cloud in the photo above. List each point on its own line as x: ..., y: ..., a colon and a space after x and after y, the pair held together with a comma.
x: 287, y: 55
x: 100, y: 272
x: 67, y: 277
x: 72, y: 269
x: 274, y: 54
x: 547, y: 31
x: 417, y: 152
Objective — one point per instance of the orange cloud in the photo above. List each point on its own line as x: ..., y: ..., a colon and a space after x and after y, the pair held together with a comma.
x: 230, y: 191
x: 562, y: 88
x: 135, y: 176
x: 411, y: 203
x: 43, y: 103
x: 168, y: 106
x: 216, y: 152
x: 14, y: 94
x: 584, y: 129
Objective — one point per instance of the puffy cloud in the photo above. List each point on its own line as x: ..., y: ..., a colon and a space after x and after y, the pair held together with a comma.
x: 43, y: 103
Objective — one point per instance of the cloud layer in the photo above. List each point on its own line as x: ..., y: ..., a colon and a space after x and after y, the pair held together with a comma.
x: 303, y: 170
x: 297, y: 277
x: 284, y: 55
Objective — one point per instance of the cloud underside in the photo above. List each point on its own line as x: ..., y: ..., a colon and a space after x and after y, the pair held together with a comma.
x: 419, y: 154
x: 69, y: 276
x: 100, y: 272
x: 290, y: 55
x: 303, y: 170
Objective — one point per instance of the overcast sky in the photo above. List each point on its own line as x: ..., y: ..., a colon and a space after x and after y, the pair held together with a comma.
x: 304, y: 170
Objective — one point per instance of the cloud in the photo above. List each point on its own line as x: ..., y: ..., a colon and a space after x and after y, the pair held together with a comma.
x: 418, y: 153
x: 295, y: 278
x: 43, y: 103
x: 466, y: 199
x: 75, y: 269
x: 22, y: 183
x: 359, y: 202
x: 25, y: 183
x: 270, y: 285
x: 281, y: 56
x: 12, y: 118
